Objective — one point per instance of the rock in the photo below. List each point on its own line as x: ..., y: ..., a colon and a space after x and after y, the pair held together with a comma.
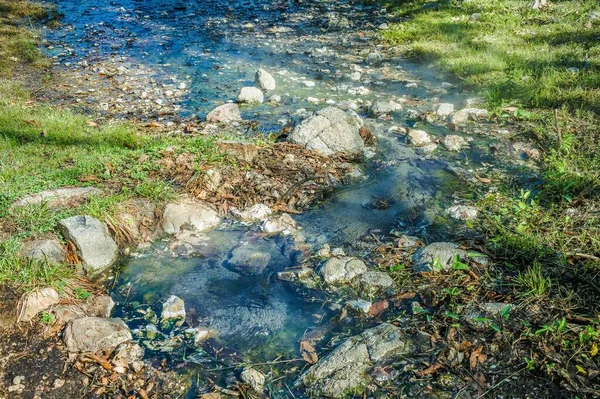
x: 441, y: 253
x: 466, y: 114
x: 256, y: 213
x: 295, y: 274
x: 419, y: 138
x: 375, y: 280
x: 405, y: 241
x: 282, y: 224
x: 49, y: 251
x: 308, y: 83
x: 225, y: 113
x: 250, y: 258
x: 242, y: 151
x: 58, y: 383
x: 443, y: 110
x: 188, y: 244
x: 98, y: 306
x: 254, y: 378
x: 345, y: 369
x: 454, y: 143
x: 275, y: 99
x: 37, y: 301
x: 59, y: 197
x: 192, y: 215
x: 463, y: 212
x: 95, y: 334
x: 213, y: 179
x: 128, y: 353
x: 199, y: 334
x: 250, y: 95
x: 264, y: 80
x: 95, y: 247
x: 342, y: 270
x: 360, y: 305
x: 374, y: 57
x: 383, y: 108
x: 330, y: 130
x: 173, y: 310
x: 152, y: 331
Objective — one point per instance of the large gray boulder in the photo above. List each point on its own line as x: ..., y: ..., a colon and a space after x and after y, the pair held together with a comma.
x: 225, y: 113
x: 342, y: 270
x: 441, y: 254
x: 344, y: 370
x: 264, y: 80
x: 198, y: 216
x: 329, y: 130
x: 95, y: 247
x: 95, y: 334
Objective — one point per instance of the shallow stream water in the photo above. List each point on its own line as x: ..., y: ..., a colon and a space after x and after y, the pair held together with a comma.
x: 208, y: 50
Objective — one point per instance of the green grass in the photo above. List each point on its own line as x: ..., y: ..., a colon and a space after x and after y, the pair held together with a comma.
x: 519, y: 55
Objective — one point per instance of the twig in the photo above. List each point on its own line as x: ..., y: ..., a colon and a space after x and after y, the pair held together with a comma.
x: 584, y: 256
x: 296, y: 185
x: 557, y: 127
x: 500, y: 383
x: 257, y: 364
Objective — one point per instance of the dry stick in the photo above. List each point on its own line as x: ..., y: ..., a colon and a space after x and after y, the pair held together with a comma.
x: 557, y: 127
x: 584, y: 256
x: 298, y: 184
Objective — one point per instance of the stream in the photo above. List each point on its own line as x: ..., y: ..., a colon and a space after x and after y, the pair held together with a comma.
x: 181, y: 59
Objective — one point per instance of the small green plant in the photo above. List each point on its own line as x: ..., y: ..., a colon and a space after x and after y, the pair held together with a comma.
x: 82, y: 294
x: 452, y: 292
x: 530, y: 364
x: 47, y: 318
x: 532, y: 281
x: 457, y: 264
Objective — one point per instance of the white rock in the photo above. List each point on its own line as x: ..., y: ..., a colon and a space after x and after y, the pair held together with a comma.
x: 194, y: 215
x: 443, y: 110
x: 342, y: 270
x: 95, y: 334
x: 463, y: 212
x: 282, y: 224
x: 225, y: 113
x: 454, y: 143
x: 58, y: 197
x: 256, y: 213
x: 264, y: 80
x: 419, y: 138
x: 309, y: 83
x: 250, y: 95
x: 254, y: 378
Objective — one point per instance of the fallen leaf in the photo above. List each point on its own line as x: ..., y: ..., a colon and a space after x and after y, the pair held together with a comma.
x: 594, y: 350
x: 92, y: 124
x: 484, y: 180
x: 477, y: 357
x: 308, y: 352
x: 430, y: 370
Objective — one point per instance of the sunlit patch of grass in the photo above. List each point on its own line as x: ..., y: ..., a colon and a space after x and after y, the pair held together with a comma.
x: 532, y: 283
x: 23, y: 274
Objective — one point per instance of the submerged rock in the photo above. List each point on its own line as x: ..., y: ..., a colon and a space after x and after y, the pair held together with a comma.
x: 454, y: 143
x: 250, y: 95
x: 384, y: 107
x: 95, y: 247
x: 225, y: 113
x: 329, y: 130
x: 58, y: 197
x: 50, y: 251
x: 192, y: 215
x: 264, y: 80
x: 95, y: 334
x: 250, y: 258
x: 443, y: 110
x: 37, y: 301
x: 345, y: 369
x: 419, y: 138
x: 282, y: 224
x: 188, y: 243
x: 173, y: 310
x: 342, y: 270
x: 437, y: 253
